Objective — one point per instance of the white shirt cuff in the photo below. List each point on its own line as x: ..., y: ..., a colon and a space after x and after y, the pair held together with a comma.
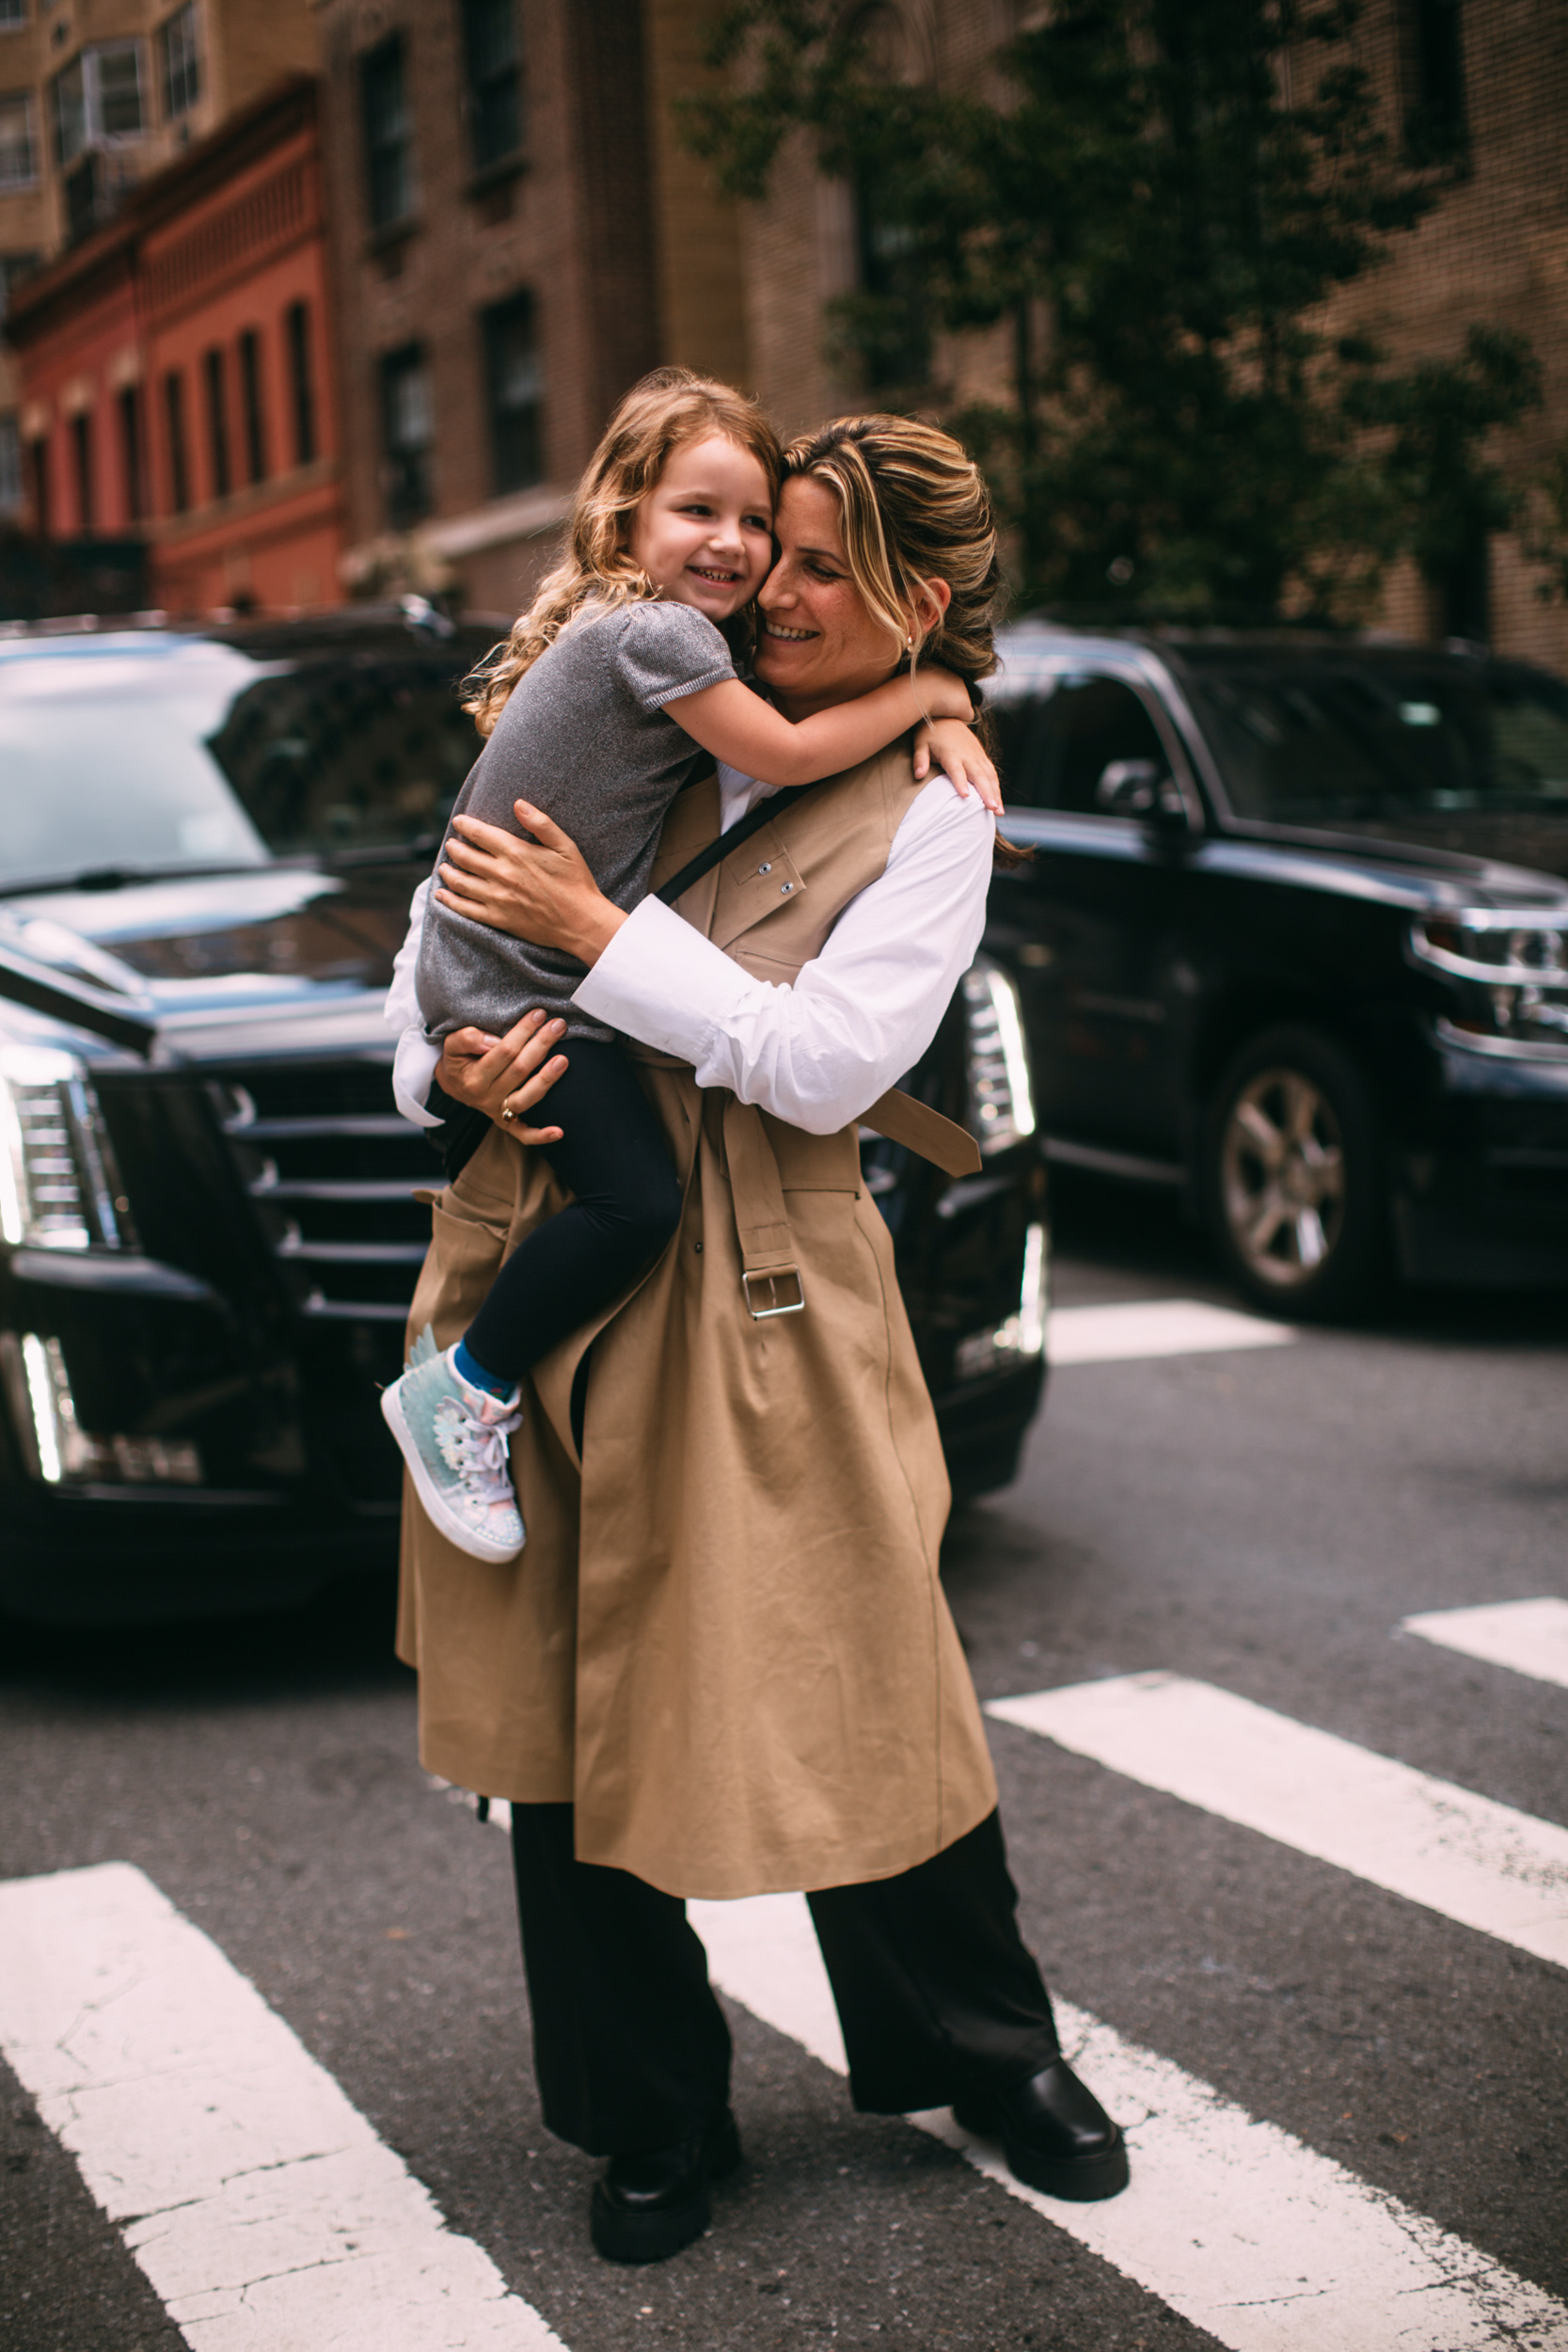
x: 413, y: 1075
x: 662, y: 982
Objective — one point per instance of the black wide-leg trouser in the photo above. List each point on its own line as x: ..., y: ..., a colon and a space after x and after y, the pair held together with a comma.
x: 935, y: 1989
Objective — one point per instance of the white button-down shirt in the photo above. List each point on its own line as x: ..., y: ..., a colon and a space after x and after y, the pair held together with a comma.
x: 817, y: 1050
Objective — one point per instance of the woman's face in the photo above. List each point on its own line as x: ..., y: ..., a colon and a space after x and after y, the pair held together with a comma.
x: 818, y: 644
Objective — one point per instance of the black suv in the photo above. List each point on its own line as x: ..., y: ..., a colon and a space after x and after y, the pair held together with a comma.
x: 1294, y: 938
x: 208, y: 843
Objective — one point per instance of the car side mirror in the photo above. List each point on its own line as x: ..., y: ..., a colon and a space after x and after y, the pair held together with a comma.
x: 1142, y: 788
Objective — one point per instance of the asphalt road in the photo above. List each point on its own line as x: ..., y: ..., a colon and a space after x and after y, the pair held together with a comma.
x: 1261, y: 1521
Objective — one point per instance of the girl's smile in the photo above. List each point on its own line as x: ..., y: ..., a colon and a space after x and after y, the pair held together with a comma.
x: 704, y: 532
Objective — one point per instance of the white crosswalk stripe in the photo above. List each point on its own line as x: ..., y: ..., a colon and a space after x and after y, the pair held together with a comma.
x: 1474, y: 1861
x: 1128, y: 1329
x: 1230, y: 2221
x: 262, y: 2206
x: 1530, y: 1636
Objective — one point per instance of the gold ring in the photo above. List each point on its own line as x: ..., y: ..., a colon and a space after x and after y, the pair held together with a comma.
x: 507, y: 1111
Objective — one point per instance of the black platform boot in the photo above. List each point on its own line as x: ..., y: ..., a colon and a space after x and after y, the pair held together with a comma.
x: 647, y: 2206
x: 1055, y: 2134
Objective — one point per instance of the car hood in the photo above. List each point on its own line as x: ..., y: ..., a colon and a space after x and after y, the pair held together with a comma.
x: 208, y: 963
x: 1508, y: 838
x: 1442, y: 862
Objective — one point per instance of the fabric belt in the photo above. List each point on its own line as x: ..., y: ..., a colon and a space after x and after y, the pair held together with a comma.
x: 771, y: 1277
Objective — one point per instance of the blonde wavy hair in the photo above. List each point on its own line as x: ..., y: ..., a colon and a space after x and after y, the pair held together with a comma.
x: 669, y: 408
x: 914, y: 507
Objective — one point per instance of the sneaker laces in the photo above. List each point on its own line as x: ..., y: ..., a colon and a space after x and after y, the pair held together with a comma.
x: 477, y: 1450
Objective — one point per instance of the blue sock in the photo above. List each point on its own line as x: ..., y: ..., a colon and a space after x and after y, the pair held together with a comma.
x: 475, y: 1374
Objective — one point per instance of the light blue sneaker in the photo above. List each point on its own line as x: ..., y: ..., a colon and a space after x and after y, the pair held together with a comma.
x: 454, y: 1438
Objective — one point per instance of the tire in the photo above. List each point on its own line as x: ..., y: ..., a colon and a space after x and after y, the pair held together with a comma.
x: 1292, y: 1175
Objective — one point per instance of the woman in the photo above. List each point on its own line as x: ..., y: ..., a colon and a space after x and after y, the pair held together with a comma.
x: 725, y: 1664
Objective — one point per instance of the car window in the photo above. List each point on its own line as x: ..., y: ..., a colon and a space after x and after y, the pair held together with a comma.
x: 1055, y: 749
x: 193, y: 754
x: 1316, y: 738
x: 347, y: 755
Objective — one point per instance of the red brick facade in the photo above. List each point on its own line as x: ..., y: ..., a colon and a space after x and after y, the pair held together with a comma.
x: 179, y: 366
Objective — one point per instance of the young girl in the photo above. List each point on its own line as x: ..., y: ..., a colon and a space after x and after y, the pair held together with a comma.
x: 611, y: 687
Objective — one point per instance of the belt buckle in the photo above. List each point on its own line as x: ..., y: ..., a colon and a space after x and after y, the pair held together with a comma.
x: 788, y: 1273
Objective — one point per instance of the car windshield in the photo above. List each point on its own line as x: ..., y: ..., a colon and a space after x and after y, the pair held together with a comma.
x: 153, y: 756
x: 1302, y: 740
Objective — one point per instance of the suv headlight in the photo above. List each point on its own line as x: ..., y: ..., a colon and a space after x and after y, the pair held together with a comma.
x: 1001, y: 1097
x: 60, y: 1189
x: 1512, y: 966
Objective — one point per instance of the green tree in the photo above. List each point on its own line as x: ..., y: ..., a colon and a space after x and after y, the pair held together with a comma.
x: 1156, y: 200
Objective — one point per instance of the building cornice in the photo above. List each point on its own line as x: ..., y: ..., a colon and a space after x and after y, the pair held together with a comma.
x: 79, y: 275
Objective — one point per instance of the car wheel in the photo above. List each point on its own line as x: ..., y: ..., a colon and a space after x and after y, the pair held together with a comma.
x: 1292, y: 1176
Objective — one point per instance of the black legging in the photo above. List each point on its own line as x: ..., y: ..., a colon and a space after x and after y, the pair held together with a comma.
x: 613, y: 1157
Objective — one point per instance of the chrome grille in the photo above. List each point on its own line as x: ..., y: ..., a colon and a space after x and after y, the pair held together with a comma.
x: 331, y: 1169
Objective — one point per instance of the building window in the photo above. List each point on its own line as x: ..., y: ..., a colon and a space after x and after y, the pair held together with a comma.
x: 13, y: 496
x: 179, y: 64
x: 81, y: 453
x: 98, y: 98
x: 128, y: 408
x: 15, y: 270
x: 38, y: 453
x: 492, y: 57
x: 895, y: 328
x: 179, y: 451
x: 301, y: 381
x: 515, y: 384
x: 407, y: 426
x: 214, y: 375
x: 12, y: 12
x: 389, y: 135
x: 19, y: 161
x: 250, y: 406
x: 1433, y: 43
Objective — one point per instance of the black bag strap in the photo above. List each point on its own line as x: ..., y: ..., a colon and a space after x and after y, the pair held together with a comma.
x: 753, y: 821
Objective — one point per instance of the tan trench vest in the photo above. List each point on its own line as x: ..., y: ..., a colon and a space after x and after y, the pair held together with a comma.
x: 726, y: 1642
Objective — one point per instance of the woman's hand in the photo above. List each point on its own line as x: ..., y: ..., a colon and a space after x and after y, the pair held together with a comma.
x: 953, y: 747
x: 504, y: 1076
x: 540, y: 890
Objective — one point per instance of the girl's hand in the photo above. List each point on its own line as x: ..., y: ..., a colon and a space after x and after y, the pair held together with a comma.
x: 956, y: 750
x: 539, y: 890
x: 942, y: 694
x: 504, y: 1076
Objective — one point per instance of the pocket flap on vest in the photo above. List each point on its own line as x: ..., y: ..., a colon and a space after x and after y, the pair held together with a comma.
x: 760, y: 878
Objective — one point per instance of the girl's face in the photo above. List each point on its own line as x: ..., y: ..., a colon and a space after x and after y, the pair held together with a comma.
x: 704, y: 532
x: 819, y: 644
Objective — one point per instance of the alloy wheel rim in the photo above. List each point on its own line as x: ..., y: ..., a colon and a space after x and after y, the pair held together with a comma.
x: 1282, y: 1177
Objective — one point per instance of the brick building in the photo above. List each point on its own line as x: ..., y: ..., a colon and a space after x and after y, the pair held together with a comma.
x: 1481, y: 85
x: 178, y: 380
x: 517, y: 237
x: 518, y: 232
x: 95, y: 95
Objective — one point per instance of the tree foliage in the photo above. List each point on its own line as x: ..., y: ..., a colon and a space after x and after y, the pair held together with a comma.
x: 1154, y: 201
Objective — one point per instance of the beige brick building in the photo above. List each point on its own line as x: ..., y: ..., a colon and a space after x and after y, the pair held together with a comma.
x: 1494, y: 75
x: 496, y: 264
x: 95, y: 95
x: 518, y: 233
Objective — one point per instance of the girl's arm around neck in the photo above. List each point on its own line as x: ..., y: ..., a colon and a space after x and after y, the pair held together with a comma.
x: 746, y: 733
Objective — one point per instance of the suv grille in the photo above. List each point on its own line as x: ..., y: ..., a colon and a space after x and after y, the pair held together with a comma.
x: 331, y: 1166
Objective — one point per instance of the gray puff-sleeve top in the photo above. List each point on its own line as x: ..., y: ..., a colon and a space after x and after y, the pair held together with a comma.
x: 587, y: 737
